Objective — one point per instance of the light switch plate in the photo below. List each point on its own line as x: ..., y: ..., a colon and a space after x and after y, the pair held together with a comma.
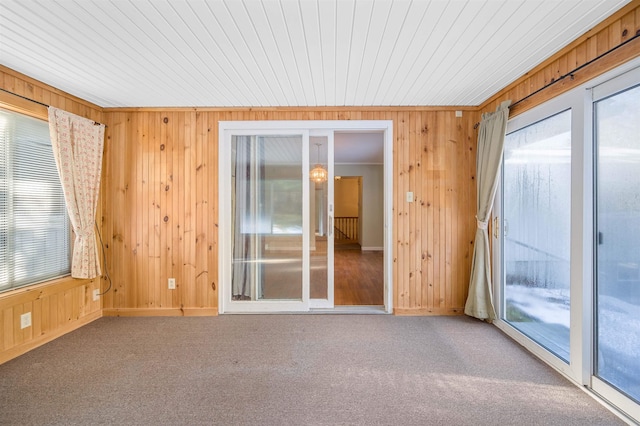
x: 409, y: 197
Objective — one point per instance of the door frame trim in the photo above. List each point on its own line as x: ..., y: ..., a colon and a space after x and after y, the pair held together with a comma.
x: 386, y: 126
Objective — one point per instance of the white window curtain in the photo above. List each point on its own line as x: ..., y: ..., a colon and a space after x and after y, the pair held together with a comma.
x: 493, y: 127
x: 77, y: 147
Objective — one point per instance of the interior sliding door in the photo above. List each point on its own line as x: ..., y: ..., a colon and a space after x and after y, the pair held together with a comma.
x: 276, y: 213
x: 269, y: 220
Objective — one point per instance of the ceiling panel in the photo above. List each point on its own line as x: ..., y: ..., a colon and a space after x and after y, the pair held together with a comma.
x: 269, y: 53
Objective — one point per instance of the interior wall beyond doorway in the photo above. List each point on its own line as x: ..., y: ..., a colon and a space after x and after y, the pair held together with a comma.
x: 372, y: 211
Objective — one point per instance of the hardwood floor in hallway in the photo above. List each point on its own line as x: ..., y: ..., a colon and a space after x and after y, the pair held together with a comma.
x: 358, y: 277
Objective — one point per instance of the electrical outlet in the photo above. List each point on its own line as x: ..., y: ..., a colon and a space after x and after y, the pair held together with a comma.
x: 96, y: 294
x: 172, y: 283
x: 25, y: 320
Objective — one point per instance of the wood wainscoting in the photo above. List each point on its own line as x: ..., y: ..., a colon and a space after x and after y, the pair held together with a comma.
x: 57, y: 307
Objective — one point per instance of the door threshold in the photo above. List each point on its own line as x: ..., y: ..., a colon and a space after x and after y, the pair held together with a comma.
x: 350, y: 309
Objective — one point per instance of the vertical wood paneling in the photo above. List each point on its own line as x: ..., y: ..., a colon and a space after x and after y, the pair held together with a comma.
x: 416, y: 216
x: 153, y: 206
x: 143, y: 219
x: 430, y: 250
x: 164, y: 229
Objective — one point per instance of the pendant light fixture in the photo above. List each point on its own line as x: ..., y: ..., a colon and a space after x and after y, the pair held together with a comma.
x: 318, y: 174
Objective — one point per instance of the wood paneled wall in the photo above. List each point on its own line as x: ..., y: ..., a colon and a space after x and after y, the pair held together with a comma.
x: 589, y: 53
x: 61, y: 305
x: 160, y: 205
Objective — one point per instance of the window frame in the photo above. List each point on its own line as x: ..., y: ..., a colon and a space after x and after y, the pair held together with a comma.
x: 18, y: 105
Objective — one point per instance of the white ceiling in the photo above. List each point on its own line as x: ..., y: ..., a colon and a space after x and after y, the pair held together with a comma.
x: 358, y: 147
x: 265, y: 53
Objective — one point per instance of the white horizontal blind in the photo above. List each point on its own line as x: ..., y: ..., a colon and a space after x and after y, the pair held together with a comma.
x: 34, y: 226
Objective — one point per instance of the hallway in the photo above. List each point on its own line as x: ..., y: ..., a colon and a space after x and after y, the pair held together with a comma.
x: 358, y: 277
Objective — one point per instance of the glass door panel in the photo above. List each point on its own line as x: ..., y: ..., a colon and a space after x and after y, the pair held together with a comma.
x: 617, y: 137
x: 536, y: 231
x: 267, y: 218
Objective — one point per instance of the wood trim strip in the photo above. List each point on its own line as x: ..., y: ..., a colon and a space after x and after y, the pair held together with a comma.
x: 31, y: 293
x: 21, y: 105
x: 302, y: 110
x: 429, y: 311
x: 160, y: 312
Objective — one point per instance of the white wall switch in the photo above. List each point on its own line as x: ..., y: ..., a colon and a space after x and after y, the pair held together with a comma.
x: 409, y: 197
x: 458, y: 114
x: 172, y: 283
x: 96, y: 294
x: 25, y: 320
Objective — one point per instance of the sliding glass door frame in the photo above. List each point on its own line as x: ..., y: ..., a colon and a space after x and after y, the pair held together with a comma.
x: 328, y: 302
x: 610, y: 88
x: 225, y: 232
x: 580, y: 369
x: 574, y: 369
x: 307, y: 127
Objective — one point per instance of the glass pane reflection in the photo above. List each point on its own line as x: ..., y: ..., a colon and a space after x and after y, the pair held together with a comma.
x: 266, y: 197
x: 618, y: 241
x: 536, y: 231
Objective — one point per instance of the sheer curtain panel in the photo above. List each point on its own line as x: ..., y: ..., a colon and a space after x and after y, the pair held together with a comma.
x: 77, y: 147
x: 490, y: 146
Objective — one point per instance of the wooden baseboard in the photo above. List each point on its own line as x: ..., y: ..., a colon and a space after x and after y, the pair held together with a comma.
x: 16, y: 351
x: 162, y: 312
x: 429, y: 311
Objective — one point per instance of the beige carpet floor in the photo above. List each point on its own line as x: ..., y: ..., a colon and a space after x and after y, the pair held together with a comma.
x: 289, y: 370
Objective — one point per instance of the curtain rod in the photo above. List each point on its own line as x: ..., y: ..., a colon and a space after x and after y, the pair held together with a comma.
x: 39, y: 103
x: 571, y: 73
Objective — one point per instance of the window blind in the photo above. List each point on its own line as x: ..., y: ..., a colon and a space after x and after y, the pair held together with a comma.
x: 34, y: 226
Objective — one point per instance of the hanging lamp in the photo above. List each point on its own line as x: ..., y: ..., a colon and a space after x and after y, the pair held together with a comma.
x: 318, y: 174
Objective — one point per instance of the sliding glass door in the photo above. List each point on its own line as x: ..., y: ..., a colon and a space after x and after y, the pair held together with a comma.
x: 567, y: 235
x: 617, y: 139
x: 277, y: 212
